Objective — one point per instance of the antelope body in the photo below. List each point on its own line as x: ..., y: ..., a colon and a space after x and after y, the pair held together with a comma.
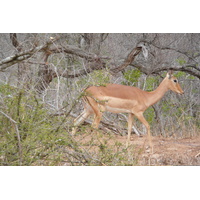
x: 124, y: 99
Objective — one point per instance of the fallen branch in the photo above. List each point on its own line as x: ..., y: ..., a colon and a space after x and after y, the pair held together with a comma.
x: 103, y: 126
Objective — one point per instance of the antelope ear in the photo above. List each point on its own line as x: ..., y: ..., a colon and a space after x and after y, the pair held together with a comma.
x: 169, y: 74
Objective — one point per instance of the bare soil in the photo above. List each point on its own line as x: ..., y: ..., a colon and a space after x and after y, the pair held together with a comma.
x: 167, y: 151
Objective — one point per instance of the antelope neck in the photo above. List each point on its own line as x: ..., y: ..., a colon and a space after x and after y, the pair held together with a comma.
x: 154, y: 96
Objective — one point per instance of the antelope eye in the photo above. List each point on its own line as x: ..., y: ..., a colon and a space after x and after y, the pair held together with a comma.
x: 175, y: 81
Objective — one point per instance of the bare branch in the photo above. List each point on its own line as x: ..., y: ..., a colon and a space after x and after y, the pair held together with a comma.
x: 14, y: 40
x: 191, y: 69
x: 19, y: 57
x: 70, y: 49
x: 96, y: 62
x: 128, y: 60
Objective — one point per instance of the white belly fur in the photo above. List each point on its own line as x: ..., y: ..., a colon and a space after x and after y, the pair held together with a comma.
x: 116, y: 110
x: 116, y: 105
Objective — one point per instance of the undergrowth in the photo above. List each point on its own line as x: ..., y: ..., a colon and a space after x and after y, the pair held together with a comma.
x: 30, y: 135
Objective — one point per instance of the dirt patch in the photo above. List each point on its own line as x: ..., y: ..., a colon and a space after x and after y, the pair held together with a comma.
x: 168, y: 151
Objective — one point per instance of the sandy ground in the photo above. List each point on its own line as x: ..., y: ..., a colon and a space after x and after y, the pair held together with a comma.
x: 167, y: 151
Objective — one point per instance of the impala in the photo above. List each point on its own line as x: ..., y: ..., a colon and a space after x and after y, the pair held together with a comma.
x: 124, y: 99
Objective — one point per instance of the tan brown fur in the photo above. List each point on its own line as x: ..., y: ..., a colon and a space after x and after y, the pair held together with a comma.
x: 124, y: 99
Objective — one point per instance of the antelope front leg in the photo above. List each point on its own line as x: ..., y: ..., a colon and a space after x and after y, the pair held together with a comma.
x: 130, y: 123
x: 143, y: 120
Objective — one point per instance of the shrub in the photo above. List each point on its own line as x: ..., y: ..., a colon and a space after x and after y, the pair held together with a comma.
x: 132, y: 76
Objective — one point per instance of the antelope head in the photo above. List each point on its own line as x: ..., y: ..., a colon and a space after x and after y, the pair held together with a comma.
x: 173, y: 83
